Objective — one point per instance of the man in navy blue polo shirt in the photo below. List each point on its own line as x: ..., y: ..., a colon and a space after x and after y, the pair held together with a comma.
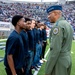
x: 25, y: 39
x: 38, y: 47
x: 44, y: 36
x: 33, y: 23
x: 31, y: 46
x: 14, y: 53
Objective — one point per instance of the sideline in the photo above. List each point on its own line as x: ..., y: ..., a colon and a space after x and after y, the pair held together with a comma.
x: 36, y: 72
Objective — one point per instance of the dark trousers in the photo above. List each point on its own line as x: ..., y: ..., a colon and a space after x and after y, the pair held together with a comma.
x: 43, y: 49
x: 18, y: 71
x: 29, y: 61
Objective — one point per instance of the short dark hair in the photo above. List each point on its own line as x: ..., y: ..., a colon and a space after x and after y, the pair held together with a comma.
x: 15, y: 19
x: 27, y: 19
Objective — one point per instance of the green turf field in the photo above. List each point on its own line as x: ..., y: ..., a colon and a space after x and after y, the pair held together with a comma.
x: 42, y: 70
x: 2, y: 51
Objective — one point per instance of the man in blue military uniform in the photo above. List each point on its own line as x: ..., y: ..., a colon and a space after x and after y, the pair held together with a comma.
x: 59, y: 59
x: 14, y: 52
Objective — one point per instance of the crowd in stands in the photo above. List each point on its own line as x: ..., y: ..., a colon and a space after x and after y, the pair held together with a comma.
x: 34, y: 10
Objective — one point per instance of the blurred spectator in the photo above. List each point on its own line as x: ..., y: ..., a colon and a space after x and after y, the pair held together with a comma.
x: 34, y: 10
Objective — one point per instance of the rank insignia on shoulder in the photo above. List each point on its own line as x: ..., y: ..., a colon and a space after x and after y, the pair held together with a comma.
x: 55, y: 31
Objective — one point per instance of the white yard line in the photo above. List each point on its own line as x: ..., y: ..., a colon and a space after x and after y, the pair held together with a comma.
x: 36, y: 72
x: 47, y: 53
x: 1, y: 59
x: 3, y: 39
x: 73, y: 40
x: 72, y: 52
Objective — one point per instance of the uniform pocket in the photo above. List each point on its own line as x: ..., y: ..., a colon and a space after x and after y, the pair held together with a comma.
x: 65, y: 61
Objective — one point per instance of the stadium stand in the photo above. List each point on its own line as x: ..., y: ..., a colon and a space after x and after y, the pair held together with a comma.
x: 7, y: 10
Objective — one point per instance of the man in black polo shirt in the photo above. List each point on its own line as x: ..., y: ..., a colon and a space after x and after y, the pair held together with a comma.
x: 14, y: 53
